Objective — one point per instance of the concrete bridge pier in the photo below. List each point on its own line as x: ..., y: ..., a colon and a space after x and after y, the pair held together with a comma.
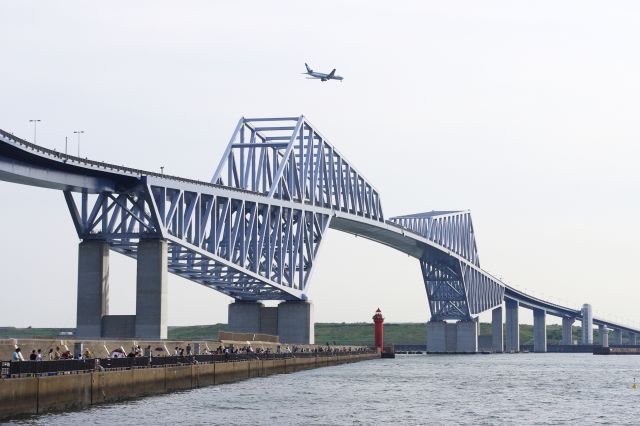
x: 512, y: 336
x: 467, y: 337
x: 292, y: 321
x: 617, y: 337
x: 587, y: 324
x: 458, y: 337
x: 436, y: 337
x: 151, y: 289
x: 296, y: 322
x: 539, y: 330
x: 567, y: 331
x: 93, y: 319
x: 497, y: 341
x: 604, y: 336
x: 93, y: 287
x: 244, y: 317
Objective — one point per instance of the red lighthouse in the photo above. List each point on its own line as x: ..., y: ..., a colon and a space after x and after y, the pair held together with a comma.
x: 378, y: 319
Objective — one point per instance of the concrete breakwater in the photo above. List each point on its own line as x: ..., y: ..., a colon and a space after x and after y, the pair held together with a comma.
x: 34, y: 395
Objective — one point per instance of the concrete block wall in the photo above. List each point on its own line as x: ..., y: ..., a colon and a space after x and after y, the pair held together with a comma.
x: 18, y: 397
x: 33, y: 395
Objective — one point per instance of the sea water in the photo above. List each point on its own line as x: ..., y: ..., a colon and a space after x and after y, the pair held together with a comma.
x: 408, y: 390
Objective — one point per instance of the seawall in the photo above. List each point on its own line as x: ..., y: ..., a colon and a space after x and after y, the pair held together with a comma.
x: 35, y: 395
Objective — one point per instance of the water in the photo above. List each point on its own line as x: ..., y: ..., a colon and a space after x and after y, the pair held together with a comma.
x: 410, y: 390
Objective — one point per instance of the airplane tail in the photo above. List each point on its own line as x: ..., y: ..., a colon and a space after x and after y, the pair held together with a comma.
x: 308, y: 69
x: 332, y: 73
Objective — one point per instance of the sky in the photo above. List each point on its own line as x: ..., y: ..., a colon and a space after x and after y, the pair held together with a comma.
x: 524, y: 112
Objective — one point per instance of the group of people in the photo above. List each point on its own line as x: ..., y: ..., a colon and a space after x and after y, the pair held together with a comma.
x: 248, y: 349
x: 178, y: 351
x: 38, y: 355
x: 137, y: 351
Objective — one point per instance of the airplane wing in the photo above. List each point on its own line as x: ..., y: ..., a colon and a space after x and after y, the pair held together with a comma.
x: 332, y: 73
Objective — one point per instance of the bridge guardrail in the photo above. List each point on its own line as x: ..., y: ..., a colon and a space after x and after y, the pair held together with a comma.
x: 114, y: 167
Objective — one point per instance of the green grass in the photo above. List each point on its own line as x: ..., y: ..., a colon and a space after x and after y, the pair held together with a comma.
x: 32, y: 333
x: 191, y: 332
x: 362, y: 333
x: 340, y: 333
x: 416, y: 333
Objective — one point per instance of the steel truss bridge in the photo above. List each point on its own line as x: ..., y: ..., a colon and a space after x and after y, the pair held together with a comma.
x: 254, y: 230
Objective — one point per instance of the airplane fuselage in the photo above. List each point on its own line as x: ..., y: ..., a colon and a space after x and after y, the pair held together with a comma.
x: 323, y: 76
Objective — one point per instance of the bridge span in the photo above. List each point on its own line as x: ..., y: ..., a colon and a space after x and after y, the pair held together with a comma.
x: 253, y: 233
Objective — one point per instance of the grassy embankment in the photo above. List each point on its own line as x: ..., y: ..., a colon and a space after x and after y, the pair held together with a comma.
x: 340, y: 333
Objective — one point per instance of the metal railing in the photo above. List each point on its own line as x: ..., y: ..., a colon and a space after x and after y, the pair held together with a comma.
x: 111, y: 167
x: 12, y: 369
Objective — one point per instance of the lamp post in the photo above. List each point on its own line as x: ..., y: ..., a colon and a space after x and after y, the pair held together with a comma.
x: 78, y: 132
x: 35, y: 125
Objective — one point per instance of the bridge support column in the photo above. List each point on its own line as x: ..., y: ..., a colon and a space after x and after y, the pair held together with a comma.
x: 151, y: 289
x: 93, y: 287
x: 587, y: 325
x: 269, y: 320
x: 436, y: 337
x: 466, y: 337
x: 617, y: 337
x: 497, y: 343
x: 460, y: 337
x: 295, y: 322
x: 604, y: 336
x: 633, y: 338
x: 513, y: 326
x: 567, y: 331
x: 244, y: 317
x: 539, y: 330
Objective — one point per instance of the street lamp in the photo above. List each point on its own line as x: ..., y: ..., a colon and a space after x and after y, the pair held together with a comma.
x: 35, y: 125
x: 78, y: 132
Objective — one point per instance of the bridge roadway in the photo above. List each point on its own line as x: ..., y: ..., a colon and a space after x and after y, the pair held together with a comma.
x: 29, y: 164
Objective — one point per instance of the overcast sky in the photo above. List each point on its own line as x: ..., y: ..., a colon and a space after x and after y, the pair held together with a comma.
x: 524, y: 112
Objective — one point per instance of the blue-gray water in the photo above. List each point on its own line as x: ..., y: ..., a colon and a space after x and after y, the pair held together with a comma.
x: 413, y: 389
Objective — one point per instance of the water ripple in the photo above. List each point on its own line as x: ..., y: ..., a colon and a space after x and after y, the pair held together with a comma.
x: 411, y: 390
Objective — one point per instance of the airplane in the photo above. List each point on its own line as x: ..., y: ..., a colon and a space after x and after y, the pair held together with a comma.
x: 321, y: 76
